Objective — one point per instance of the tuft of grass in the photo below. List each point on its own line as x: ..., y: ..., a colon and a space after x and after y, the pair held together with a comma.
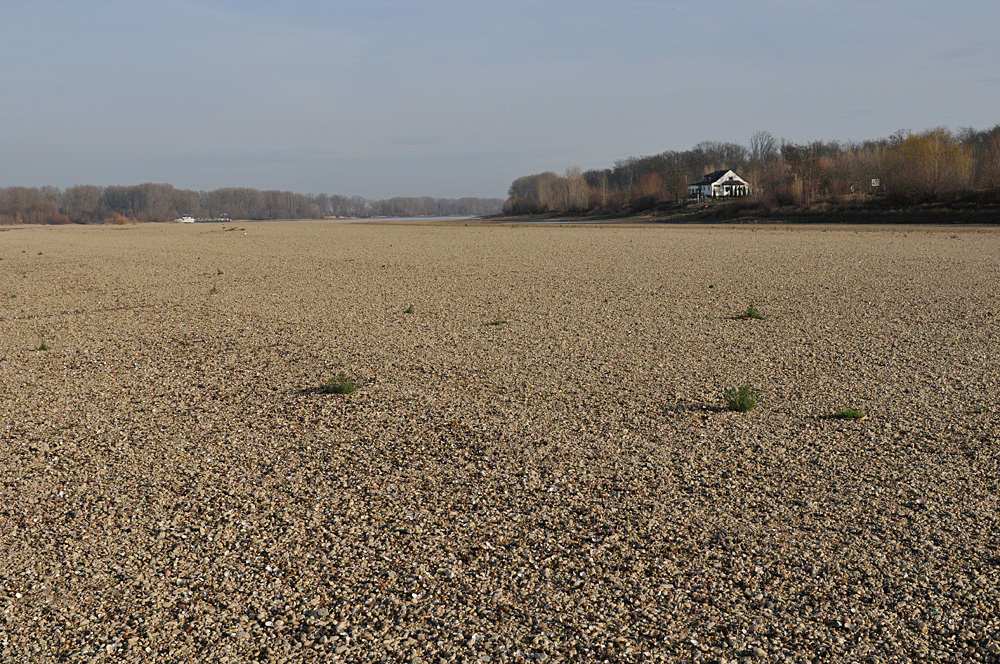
x: 498, y: 321
x: 752, y: 312
x: 741, y: 399
x: 339, y: 384
x: 214, y: 290
x: 408, y: 310
x: 849, y: 414
x: 219, y: 272
x: 42, y: 346
x: 979, y: 410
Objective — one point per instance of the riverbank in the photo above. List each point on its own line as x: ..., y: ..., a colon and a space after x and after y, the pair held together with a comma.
x: 749, y: 213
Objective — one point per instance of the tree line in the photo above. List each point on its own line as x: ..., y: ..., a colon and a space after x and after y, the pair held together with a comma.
x: 903, y: 169
x: 89, y: 204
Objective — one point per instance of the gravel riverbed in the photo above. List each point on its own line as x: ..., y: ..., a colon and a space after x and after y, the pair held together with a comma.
x: 537, y: 464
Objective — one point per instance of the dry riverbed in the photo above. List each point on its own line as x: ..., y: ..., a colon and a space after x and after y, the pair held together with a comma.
x: 537, y: 465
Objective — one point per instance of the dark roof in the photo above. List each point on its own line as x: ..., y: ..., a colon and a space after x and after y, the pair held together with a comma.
x: 711, y: 178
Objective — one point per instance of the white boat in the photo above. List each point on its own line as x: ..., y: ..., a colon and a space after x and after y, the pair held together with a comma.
x: 186, y: 219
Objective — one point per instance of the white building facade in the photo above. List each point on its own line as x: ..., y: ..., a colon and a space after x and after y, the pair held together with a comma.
x: 719, y: 184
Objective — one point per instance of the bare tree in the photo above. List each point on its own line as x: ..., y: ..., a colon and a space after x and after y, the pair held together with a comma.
x: 576, y: 194
x: 764, y: 148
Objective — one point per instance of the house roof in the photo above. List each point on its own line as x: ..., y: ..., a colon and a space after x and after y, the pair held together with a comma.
x: 714, y: 177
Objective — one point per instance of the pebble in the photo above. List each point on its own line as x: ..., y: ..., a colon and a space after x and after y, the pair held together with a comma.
x: 566, y: 486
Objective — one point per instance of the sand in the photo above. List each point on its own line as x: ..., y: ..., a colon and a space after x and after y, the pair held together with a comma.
x: 537, y: 465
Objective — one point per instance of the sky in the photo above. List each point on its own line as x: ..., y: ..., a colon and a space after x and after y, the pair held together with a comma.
x: 452, y: 98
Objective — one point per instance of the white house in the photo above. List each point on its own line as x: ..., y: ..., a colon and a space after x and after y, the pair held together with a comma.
x: 719, y: 184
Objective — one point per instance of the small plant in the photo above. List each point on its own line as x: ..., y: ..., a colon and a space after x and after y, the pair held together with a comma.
x: 42, y: 346
x: 214, y: 290
x: 497, y: 322
x: 40, y: 253
x: 849, y: 414
x: 408, y: 310
x: 339, y: 384
x: 741, y: 399
x: 752, y: 312
x: 219, y: 272
x: 979, y: 410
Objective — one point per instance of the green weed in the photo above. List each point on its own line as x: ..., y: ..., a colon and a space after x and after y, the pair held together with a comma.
x: 339, y: 384
x: 849, y: 414
x: 752, y: 312
x: 741, y: 399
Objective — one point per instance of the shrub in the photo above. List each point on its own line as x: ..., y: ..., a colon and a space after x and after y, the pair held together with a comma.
x: 339, y: 384
x: 849, y: 414
x: 741, y: 399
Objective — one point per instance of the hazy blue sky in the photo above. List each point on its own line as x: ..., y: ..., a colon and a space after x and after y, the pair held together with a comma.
x: 452, y: 98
